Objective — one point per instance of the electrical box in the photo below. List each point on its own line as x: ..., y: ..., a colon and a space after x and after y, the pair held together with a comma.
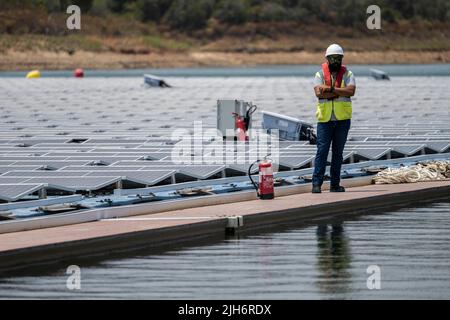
x: 225, y: 118
x: 289, y: 128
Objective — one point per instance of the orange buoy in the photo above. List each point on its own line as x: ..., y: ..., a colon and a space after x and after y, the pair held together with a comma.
x: 79, y: 73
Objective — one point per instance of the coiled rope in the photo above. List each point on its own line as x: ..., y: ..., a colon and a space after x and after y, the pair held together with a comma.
x: 423, y: 171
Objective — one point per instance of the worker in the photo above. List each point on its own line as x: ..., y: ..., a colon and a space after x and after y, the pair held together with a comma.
x: 333, y: 86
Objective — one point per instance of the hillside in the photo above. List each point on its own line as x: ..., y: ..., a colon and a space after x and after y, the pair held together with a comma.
x: 34, y: 35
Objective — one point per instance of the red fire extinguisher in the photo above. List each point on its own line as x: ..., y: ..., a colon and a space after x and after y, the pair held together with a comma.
x: 242, y: 123
x: 241, y: 130
x: 265, y: 187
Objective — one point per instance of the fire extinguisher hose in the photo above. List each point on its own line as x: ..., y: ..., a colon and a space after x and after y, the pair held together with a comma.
x: 251, y: 179
x: 248, y: 116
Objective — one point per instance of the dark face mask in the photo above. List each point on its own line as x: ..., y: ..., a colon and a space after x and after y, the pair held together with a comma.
x: 335, y: 66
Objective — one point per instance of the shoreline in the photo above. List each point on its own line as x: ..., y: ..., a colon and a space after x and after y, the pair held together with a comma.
x: 46, y: 60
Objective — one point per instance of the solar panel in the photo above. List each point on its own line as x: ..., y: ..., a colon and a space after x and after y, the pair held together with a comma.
x: 243, y: 168
x: 105, y: 159
x: 409, y: 138
x: 407, y: 150
x: 157, y: 155
x: 44, y: 173
x: 115, y: 141
x: 141, y: 163
x: 144, y: 177
x: 292, y: 144
x: 79, y: 183
x: 81, y: 154
x: 440, y: 147
x: 37, y: 141
x: 30, y: 158
x: 11, y: 180
x: 372, y: 153
x: 124, y: 145
x: 52, y: 164
x: 13, y: 192
x: 100, y: 168
x: 65, y: 147
x: 4, y: 169
x: 201, y: 172
x: 294, y: 162
x: 6, y: 162
x: 293, y: 153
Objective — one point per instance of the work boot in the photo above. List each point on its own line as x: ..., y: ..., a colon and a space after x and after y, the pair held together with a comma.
x: 316, y: 189
x: 337, y: 189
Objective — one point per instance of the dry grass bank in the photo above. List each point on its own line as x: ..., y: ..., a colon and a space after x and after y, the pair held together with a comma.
x: 46, y: 60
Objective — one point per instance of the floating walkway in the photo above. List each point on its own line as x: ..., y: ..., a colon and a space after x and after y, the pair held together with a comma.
x: 69, y: 243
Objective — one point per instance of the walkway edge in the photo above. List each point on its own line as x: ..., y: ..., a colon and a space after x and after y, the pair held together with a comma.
x: 96, y: 214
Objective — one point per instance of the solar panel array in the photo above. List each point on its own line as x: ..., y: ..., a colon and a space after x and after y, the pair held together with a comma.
x: 83, y: 135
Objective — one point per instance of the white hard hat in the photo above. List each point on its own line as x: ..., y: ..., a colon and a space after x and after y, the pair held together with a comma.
x: 334, y: 49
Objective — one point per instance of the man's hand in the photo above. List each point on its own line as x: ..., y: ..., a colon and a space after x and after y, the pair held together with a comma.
x: 324, y: 92
x: 324, y: 89
x: 348, y: 91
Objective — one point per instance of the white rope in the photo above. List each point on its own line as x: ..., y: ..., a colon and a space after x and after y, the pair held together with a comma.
x: 423, y: 171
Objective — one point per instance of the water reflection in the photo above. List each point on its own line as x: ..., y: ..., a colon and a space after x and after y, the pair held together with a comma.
x: 333, y: 258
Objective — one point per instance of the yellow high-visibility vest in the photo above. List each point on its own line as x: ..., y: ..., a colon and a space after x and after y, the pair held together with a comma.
x: 342, y: 106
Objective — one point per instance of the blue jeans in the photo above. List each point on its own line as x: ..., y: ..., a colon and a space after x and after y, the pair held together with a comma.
x: 330, y: 133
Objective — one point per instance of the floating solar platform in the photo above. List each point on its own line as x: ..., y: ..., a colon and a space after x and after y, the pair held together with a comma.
x: 115, y: 134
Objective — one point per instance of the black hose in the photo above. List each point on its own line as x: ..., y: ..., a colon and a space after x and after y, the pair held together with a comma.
x: 250, y: 176
x: 248, y: 116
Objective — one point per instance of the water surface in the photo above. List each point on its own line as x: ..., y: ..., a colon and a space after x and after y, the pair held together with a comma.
x: 306, y: 70
x: 321, y: 260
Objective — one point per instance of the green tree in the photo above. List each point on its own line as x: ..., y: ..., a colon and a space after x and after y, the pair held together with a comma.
x: 85, y: 5
x: 53, y: 5
x: 300, y: 14
x: 351, y: 13
x: 270, y: 11
x: 433, y: 9
x: 194, y: 14
x: 153, y: 10
x: 232, y: 11
x: 99, y: 8
x: 117, y: 6
x: 189, y: 14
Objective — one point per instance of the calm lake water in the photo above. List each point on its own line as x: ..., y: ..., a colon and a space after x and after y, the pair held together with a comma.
x: 259, y: 71
x: 325, y: 259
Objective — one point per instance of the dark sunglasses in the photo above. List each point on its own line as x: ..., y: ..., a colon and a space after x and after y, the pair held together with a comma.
x: 334, y: 58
